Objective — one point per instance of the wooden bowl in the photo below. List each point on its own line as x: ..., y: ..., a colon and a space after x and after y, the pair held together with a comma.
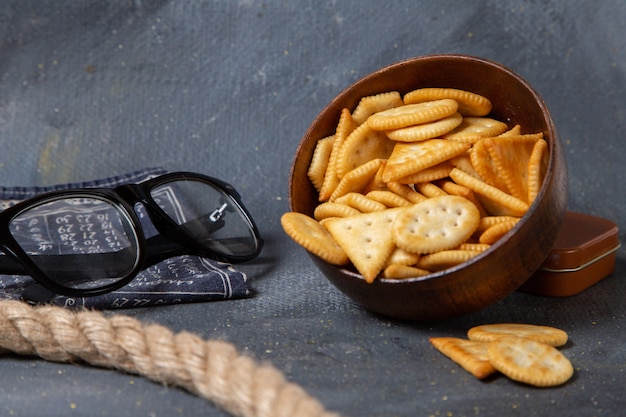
x: 500, y: 270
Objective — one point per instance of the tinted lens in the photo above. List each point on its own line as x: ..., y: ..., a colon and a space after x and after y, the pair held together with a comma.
x: 208, y: 215
x: 80, y: 242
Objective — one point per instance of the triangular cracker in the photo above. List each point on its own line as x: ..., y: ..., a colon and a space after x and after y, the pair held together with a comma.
x: 409, y: 158
x: 470, y: 355
x: 537, y: 167
x: 366, y: 238
x: 510, y: 155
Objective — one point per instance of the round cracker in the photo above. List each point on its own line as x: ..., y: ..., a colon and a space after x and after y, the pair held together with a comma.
x: 470, y: 104
x: 311, y: 235
x: 412, y: 114
x: 544, y: 334
x: 436, y: 224
x: 529, y: 361
x: 426, y: 131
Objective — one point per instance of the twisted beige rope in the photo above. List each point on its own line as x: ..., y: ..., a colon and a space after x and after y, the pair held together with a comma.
x: 211, y: 369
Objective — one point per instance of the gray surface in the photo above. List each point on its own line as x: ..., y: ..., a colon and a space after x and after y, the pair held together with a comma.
x: 89, y: 89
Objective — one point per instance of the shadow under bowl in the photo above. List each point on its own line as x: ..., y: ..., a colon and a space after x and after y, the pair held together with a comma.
x: 490, y: 276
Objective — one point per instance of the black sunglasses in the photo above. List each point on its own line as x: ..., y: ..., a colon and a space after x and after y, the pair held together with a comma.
x: 90, y: 241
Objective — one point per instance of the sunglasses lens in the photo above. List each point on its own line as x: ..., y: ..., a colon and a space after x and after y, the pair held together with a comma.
x: 80, y: 242
x: 208, y: 215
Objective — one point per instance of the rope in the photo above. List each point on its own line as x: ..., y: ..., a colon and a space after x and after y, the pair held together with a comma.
x: 210, y: 369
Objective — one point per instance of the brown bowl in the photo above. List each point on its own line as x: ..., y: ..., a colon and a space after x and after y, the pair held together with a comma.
x: 500, y: 270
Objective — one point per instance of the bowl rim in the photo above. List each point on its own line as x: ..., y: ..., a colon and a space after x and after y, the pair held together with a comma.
x: 550, y: 132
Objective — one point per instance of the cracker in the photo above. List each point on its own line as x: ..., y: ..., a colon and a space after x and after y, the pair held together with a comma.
x: 495, y: 201
x: 360, y: 202
x: 436, y: 224
x: 426, y: 131
x: 485, y: 166
x: 494, y: 233
x: 453, y: 188
x: 472, y: 129
x: 445, y: 259
x: 430, y: 189
x: 401, y: 257
x: 388, y: 198
x: 515, y: 130
x: 529, y: 361
x: 436, y: 172
x: 366, y: 238
x: 361, y: 146
x: 470, y: 104
x: 477, y: 247
x: 537, y: 168
x: 357, y: 179
x: 412, y: 114
x: 345, y: 126
x: 405, y: 191
x: 319, y: 161
x: 510, y: 156
x: 470, y: 355
x: 399, y: 271
x: 464, y: 163
x: 409, y: 158
x: 488, y: 221
x: 373, y: 104
x: 544, y: 334
x: 331, y: 209
x: 311, y: 235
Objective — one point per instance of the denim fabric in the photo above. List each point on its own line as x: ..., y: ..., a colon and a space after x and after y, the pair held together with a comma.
x: 180, y: 279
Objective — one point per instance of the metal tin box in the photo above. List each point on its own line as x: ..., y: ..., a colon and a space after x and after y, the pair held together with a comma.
x: 583, y: 254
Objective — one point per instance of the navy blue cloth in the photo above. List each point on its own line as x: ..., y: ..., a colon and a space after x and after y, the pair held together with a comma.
x: 180, y: 279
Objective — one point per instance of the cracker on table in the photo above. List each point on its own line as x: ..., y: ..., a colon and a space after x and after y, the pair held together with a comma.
x: 529, y: 361
x: 544, y: 334
x: 470, y: 355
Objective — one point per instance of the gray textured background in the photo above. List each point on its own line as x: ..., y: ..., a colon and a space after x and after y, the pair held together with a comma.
x: 92, y: 88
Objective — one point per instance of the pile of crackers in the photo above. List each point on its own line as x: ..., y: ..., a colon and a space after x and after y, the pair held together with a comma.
x: 525, y: 353
x: 414, y: 184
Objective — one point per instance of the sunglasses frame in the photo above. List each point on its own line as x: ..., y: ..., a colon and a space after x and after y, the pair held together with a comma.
x: 172, y: 239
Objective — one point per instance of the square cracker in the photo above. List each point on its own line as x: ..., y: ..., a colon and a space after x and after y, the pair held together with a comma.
x: 471, y: 355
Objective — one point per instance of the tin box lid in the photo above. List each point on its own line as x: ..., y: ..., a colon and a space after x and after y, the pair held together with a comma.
x: 581, y: 239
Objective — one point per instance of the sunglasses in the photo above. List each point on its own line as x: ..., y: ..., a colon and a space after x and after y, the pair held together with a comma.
x: 90, y: 241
